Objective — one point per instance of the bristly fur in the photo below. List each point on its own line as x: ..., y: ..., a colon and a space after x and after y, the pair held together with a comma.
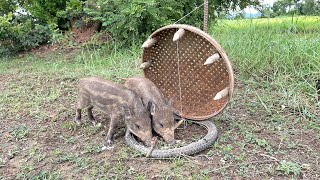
x: 117, y: 101
x: 162, y: 115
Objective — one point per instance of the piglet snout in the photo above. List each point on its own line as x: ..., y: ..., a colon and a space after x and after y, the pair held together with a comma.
x: 172, y: 142
x: 148, y: 143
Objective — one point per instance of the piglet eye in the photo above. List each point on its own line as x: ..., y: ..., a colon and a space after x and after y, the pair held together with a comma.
x: 161, y: 125
x: 137, y: 126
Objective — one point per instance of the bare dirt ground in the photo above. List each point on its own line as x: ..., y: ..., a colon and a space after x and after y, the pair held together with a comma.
x: 38, y: 139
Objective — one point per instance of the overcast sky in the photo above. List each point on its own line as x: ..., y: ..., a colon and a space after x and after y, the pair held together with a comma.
x: 254, y: 11
x: 268, y: 1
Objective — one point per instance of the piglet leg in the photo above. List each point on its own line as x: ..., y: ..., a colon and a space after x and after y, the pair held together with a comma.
x: 82, y: 103
x: 112, y: 128
x: 77, y: 119
x: 90, y: 115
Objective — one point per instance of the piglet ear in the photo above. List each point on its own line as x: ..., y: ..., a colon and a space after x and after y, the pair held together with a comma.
x: 143, y: 103
x: 127, y: 112
x: 136, y: 104
x: 151, y: 107
x: 170, y: 102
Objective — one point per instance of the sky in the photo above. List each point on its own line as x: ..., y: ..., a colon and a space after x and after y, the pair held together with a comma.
x: 268, y: 1
x: 252, y: 10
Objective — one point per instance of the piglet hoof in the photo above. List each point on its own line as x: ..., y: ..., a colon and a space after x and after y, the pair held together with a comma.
x: 108, y: 146
x: 91, y: 119
x: 94, y: 123
x: 109, y: 142
x: 78, y: 122
x: 172, y: 142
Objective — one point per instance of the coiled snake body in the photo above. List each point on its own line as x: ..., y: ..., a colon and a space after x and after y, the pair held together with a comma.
x: 189, y: 149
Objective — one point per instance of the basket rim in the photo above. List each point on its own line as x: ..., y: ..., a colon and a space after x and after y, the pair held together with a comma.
x: 220, y: 51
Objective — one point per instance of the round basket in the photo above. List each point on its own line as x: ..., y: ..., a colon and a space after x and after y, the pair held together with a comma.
x: 194, y: 64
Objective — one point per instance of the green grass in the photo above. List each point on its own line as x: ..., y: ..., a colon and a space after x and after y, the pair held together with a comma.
x: 279, y: 55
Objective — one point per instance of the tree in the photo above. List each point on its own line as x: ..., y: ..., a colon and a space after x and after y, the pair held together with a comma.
x: 282, y: 7
x: 264, y: 9
x: 311, y: 7
x: 305, y: 7
x: 44, y: 10
x: 19, y: 30
x: 125, y: 20
x: 137, y: 18
x: 7, y: 6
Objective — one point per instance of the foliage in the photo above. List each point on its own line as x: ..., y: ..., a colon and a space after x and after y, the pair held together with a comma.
x: 281, y: 52
x: 44, y: 10
x: 19, y: 33
x: 307, y: 7
x: 28, y: 23
x: 76, y: 17
x: 289, y: 167
x: 73, y: 9
x: 139, y: 18
x: 222, y: 5
x: 265, y: 10
x: 20, y: 132
x: 7, y: 6
x: 125, y: 21
x: 311, y: 7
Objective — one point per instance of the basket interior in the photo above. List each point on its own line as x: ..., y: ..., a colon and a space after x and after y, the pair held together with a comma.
x: 199, y: 83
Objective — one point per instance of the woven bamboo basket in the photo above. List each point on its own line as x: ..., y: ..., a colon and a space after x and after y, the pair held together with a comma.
x: 193, y: 71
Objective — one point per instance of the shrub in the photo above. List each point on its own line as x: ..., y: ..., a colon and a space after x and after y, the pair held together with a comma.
x: 44, y: 10
x: 136, y: 19
x: 127, y: 21
x: 19, y: 33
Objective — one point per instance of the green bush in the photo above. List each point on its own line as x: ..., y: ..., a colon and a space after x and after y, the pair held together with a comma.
x: 44, y: 10
x: 136, y: 19
x: 18, y: 33
x: 127, y: 21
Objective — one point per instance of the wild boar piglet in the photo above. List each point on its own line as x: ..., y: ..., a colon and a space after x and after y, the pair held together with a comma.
x: 161, y: 112
x: 117, y: 101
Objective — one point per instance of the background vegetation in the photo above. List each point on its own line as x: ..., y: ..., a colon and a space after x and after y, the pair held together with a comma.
x: 279, y: 54
x: 28, y: 23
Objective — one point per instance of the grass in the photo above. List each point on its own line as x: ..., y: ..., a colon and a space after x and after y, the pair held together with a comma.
x: 274, y: 114
x: 278, y: 56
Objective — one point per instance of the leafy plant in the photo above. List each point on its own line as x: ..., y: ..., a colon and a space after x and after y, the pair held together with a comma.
x: 20, y: 132
x: 127, y: 21
x: 2, y: 162
x: 289, y: 168
x: 227, y: 152
x: 45, y: 11
x: 48, y: 175
x: 37, y: 154
x: 19, y: 33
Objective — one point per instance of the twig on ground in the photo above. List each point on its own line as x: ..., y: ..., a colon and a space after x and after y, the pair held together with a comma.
x: 271, y: 157
x: 263, y: 104
x: 191, y: 160
x: 279, y: 146
x: 305, y: 146
x: 203, y: 155
x: 153, y: 145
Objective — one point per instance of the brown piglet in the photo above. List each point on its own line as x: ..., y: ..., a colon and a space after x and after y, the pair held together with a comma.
x: 163, y: 121
x: 117, y: 101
